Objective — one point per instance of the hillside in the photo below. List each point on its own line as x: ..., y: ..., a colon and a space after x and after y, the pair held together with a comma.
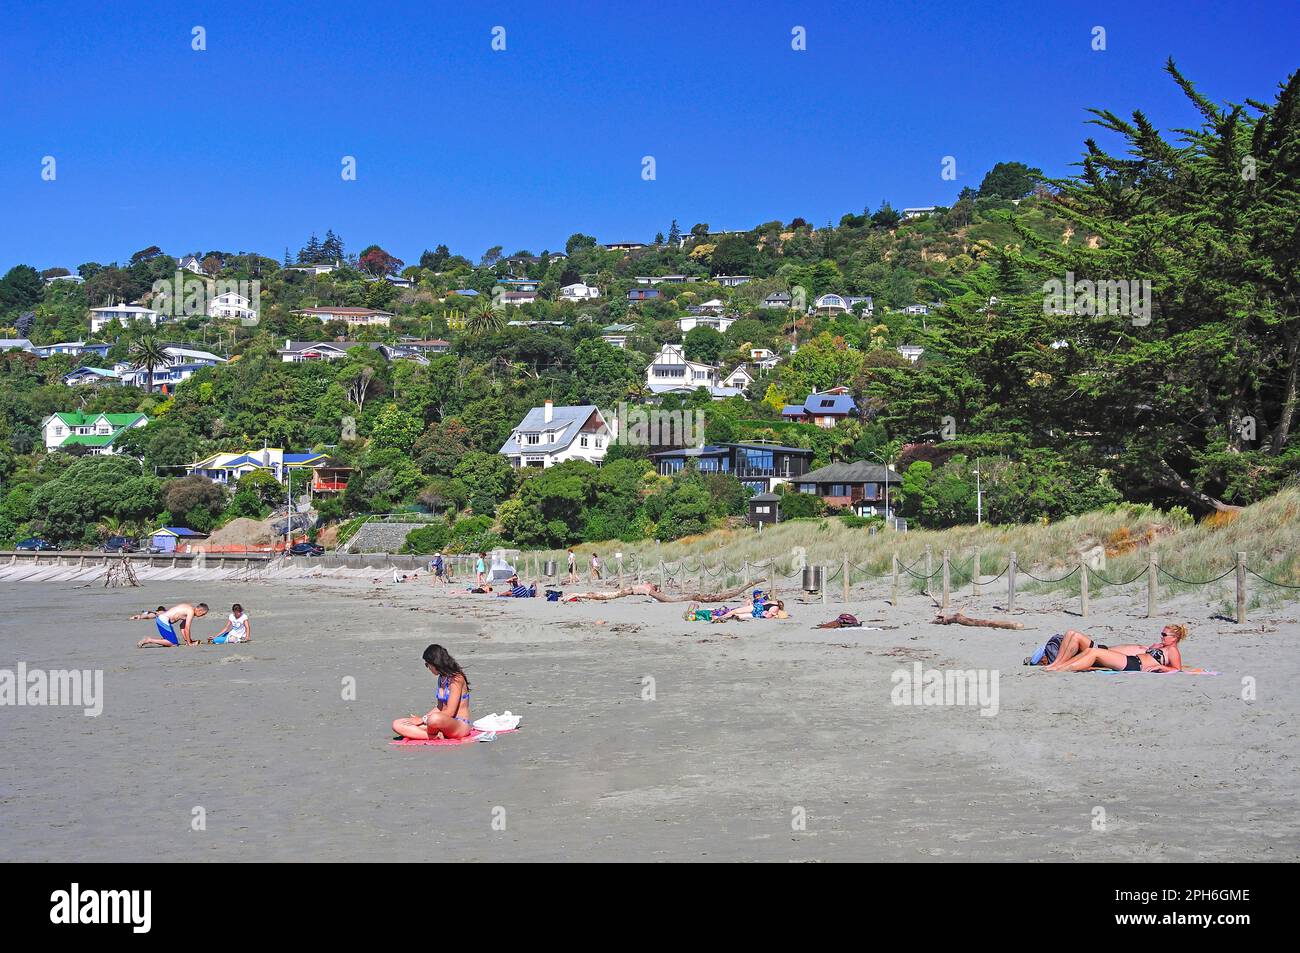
x: 1129, y: 335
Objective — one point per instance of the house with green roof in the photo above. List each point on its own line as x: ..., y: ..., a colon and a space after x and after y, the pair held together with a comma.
x: 95, y: 432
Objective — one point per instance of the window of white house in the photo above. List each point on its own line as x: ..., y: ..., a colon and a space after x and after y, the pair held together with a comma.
x: 582, y: 441
x: 58, y: 431
x: 600, y: 441
x: 533, y: 438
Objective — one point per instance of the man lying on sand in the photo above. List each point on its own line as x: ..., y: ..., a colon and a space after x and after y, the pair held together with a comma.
x: 166, y: 621
x: 146, y: 614
x: 1079, y: 653
x: 758, y: 607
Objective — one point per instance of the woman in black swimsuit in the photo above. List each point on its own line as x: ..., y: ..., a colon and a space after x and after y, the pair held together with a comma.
x: 1163, y: 656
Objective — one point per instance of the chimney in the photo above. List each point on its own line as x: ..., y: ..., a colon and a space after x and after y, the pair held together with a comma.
x: 548, y: 410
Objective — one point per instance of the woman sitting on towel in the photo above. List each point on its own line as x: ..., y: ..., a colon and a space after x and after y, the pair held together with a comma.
x: 1163, y: 656
x: 450, y: 716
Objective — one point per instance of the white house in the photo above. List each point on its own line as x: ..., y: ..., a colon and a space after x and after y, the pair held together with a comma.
x: 830, y: 304
x: 549, y: 435
x: 717, y: 322
x: 516, y: 298
x: 732, y: 281
x: 125, y: 313
x: 192, y: 264
x: 912, y: 352
x: 740, y: 378
x: 365, y: 317
x: 95, y: 432
x: 8, y: 344
x: 920, y: 212
x: 867, y: 302
x: 317, y: 268
x: 669, y: 370
x: 75, y: 279
x: 579, y: 291
x: 777, y: 299
x: 617, y: 334
x: 231, y: 304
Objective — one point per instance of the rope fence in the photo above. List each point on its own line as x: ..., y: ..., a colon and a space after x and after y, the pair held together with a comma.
x: 938, y: 574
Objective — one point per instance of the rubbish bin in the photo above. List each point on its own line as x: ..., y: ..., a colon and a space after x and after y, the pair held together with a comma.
x: 812, y: 578
x: 549, y: 569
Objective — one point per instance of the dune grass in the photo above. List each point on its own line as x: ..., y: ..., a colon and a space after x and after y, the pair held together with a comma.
x: 1268, y: 532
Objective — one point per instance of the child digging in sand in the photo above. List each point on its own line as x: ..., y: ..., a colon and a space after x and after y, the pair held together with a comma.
x: 239, y: 628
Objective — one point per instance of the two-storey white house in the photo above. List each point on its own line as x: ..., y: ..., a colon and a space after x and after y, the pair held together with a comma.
x: 231, y: 304
x: 670, y: 370
x: 364, y: 317
x: 549, y: 435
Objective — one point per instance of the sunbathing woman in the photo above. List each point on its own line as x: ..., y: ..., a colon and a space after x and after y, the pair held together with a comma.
x: 450, y: 717
x: 1160, y: 657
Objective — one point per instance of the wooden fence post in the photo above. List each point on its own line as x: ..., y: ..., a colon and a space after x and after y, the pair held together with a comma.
x: 929, y: 569
x: 947, y: 580
x: 825, y: 582
x: 745, y: 569
x: 1153, y: 582
x: 1083, y: 587
x: 894, y: 598
x: 1241, y: 588
x: 663, y: 579
x: 846, y: 577
x: 975, y: 573
x: 1011, y: 582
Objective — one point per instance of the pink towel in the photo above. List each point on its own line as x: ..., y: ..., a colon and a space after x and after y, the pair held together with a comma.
x: 468, y: 739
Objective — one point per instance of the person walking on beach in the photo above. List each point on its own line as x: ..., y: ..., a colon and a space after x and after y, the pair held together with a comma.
x: 595, y: 567
x: 185, y: 614
x: 450, y: 716
x: 438, y: 568
x: 573, y: 567
x: 480, y: 568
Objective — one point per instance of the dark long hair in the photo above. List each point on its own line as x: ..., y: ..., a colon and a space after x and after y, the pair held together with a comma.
x: 444, y: 664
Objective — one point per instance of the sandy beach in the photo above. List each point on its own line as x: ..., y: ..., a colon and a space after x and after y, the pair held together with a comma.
x: 764, y: 741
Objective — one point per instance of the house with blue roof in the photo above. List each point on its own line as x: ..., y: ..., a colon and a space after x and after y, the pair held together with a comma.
x: 228, y: 468
x: 549, y: 435
x: 168, y: 539
x: 824, y: 408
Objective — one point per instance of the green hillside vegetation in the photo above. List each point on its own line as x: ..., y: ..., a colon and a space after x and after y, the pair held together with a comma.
x: 1065, y: 411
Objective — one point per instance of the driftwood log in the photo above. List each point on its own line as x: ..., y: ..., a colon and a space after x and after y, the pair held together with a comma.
x: 958, y: 618
x: 653, y: 591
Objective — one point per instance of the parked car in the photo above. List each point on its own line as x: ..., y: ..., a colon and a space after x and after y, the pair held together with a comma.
x: 121, y: 544
x: 36, y: 544
x: 306, y: 549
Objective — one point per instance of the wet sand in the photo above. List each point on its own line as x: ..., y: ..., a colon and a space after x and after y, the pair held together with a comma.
x: 753, y: 727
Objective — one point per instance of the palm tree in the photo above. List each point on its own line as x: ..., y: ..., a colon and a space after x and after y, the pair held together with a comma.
x: 149, y: 353
x: 485, y: 319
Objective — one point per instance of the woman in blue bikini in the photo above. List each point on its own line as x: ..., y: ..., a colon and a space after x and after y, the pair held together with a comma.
x: 450, y: 718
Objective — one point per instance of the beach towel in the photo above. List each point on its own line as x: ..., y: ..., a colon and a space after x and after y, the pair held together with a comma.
x: 470, y: 738
x: 553, y: 595
x: 1184, y: 671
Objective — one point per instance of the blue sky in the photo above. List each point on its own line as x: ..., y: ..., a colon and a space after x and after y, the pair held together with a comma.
x: 239, y: 147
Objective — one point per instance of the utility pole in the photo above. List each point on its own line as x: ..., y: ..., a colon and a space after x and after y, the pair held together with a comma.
x: 979, y: 495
